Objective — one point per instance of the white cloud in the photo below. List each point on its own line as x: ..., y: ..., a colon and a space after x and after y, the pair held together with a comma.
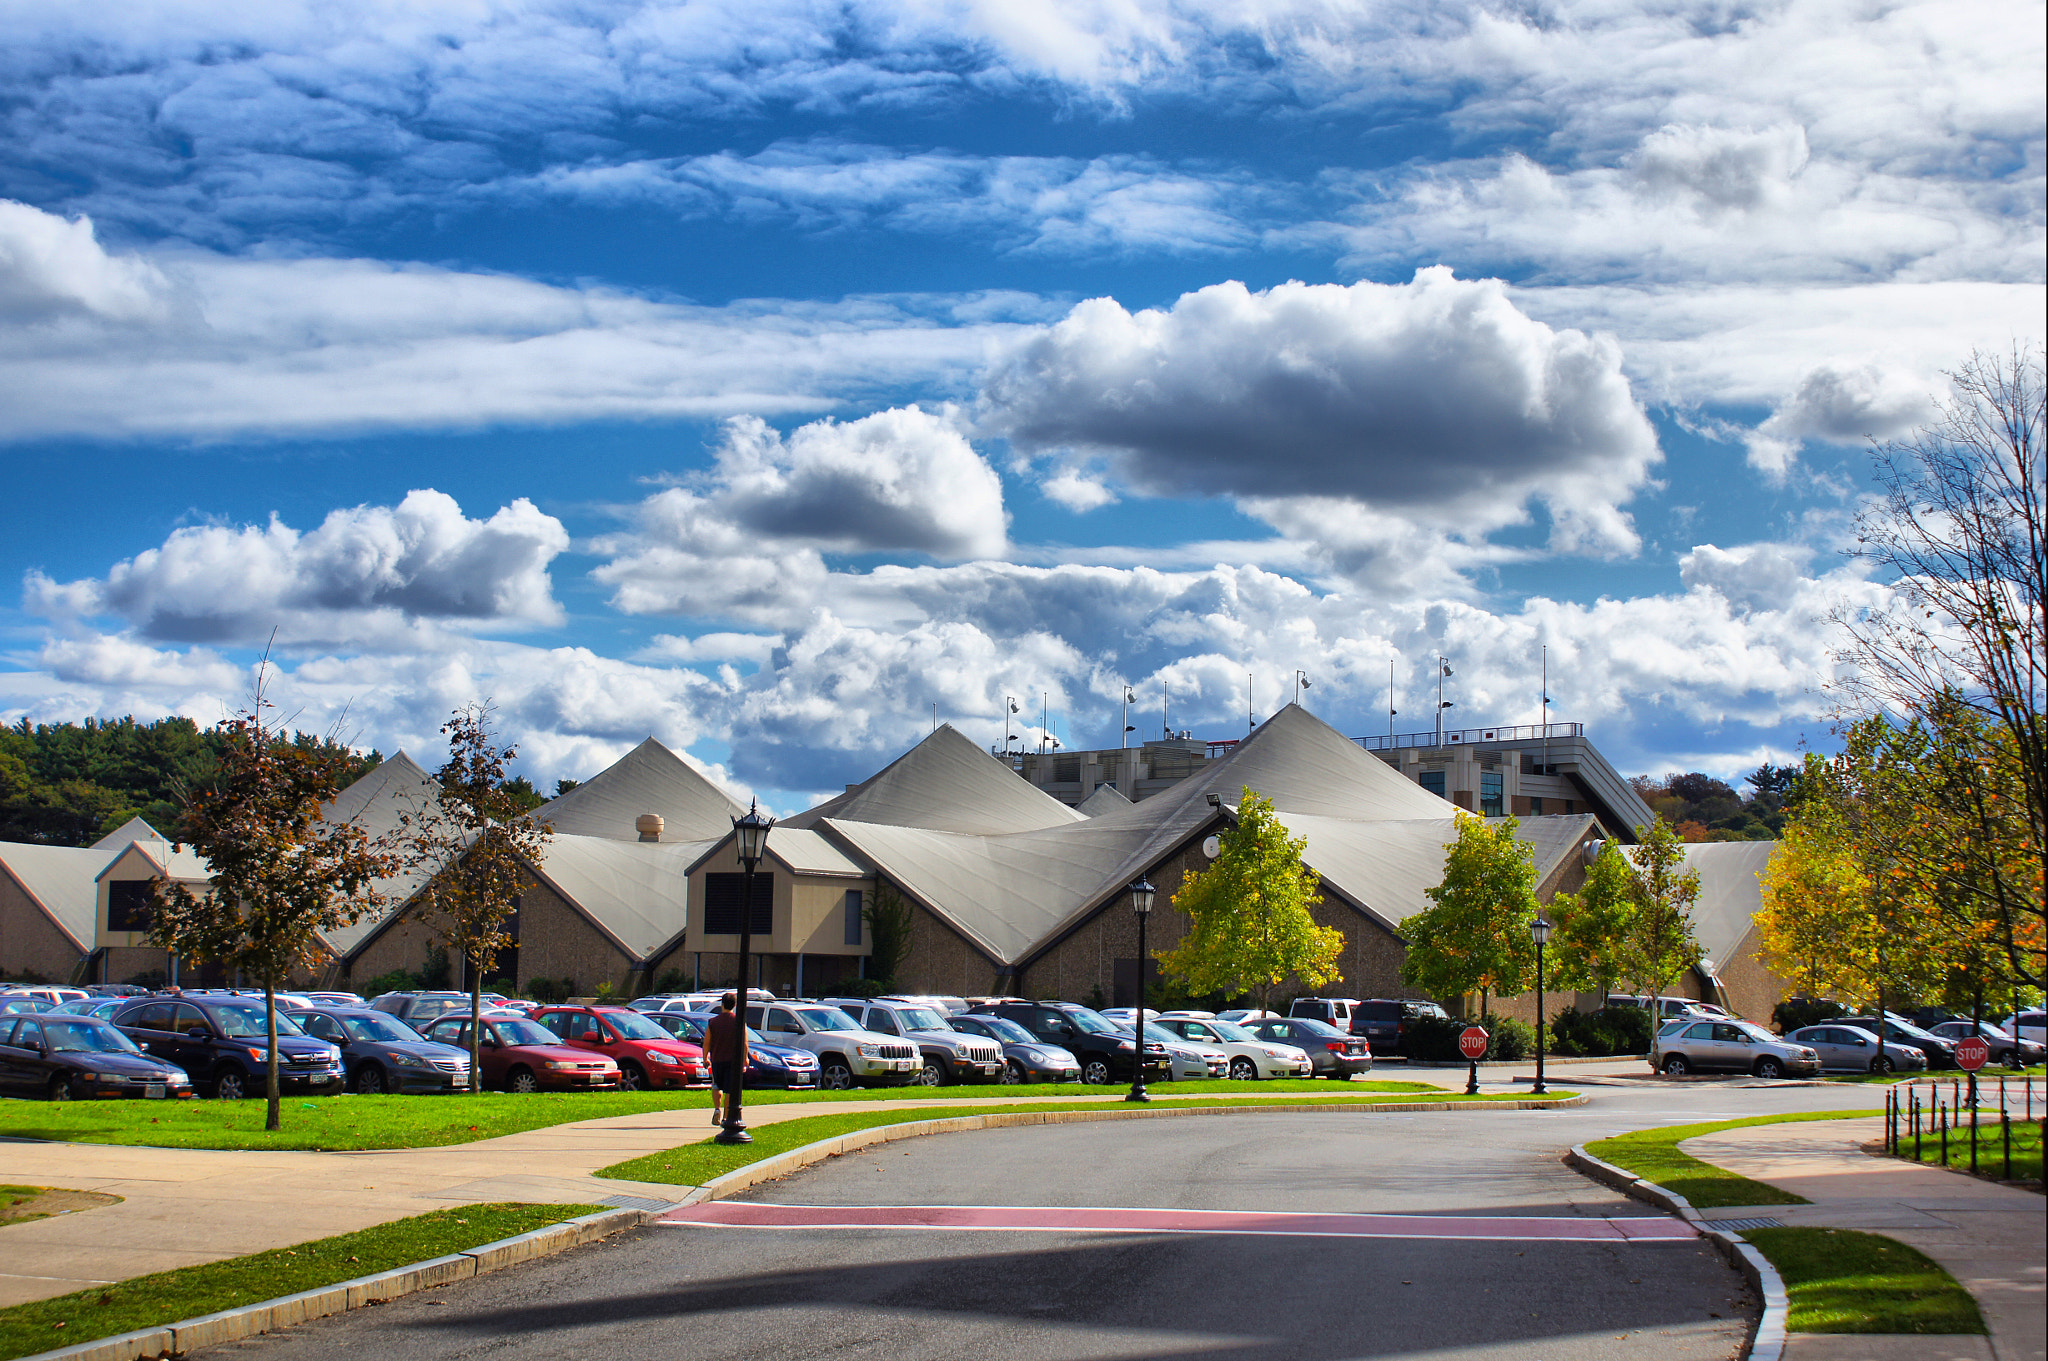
x: 1840, y: 405
x: 367, y: 575
x: 1437, y: 399
x: 49, y: 266
x: 1078, y: 491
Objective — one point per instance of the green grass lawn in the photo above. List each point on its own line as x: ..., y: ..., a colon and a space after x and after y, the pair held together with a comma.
x: 361, y: 1122
x: 167, y: 1296
x: 1842, y: 1281
x: 2026, y: 1148
x: 1653, y: 1155
x: 696, y: 1163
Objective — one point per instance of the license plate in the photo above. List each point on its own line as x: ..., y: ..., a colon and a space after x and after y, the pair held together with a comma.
x: 901, y: 1065
x: 154, y: 1089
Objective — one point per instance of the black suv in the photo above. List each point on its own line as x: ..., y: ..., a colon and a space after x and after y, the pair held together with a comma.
x: 220, y: 1042
x: 1384, y: 1021
x: 1106, y: 1052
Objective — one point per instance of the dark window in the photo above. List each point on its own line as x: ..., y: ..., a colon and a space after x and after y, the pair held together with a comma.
x: 323, y: 1028
x: 1535, y: 806
x: 128, y: 905
x: 1066, y: 769
x: 28, y: 1035
x: 722, y: 904
x: 1490, y: 803
x: 1433, y: 781
x: 186, y: 1017
x: 853, y: 905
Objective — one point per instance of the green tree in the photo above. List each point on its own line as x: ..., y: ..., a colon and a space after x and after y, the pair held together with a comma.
x: 280, y: 873
x: 1250, y: 919
x: 1592, y: 926
x: 1474, y: 936
x: 469, y: 840
x: 1661, y: 943
x: 1815, y: 922
x: 888, y: 919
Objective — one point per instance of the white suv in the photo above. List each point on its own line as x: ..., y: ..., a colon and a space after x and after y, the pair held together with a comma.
x: 946, y: 1055
x: 846, y: 1053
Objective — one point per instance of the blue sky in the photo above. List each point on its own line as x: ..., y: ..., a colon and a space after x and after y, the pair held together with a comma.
x: 759, y: 375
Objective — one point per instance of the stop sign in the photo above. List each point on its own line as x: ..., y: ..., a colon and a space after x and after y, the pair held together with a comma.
x: 1472, y: 1042
x: 1972, y: 1053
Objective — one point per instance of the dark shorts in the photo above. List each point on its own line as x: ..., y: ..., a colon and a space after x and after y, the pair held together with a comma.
x: 725, y: 1076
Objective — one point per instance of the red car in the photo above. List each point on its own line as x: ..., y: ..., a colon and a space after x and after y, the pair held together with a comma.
x: 648, y: 1056
x: 520, y: 1056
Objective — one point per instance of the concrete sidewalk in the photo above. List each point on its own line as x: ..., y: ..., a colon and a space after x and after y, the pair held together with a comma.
x: 1993, y: 1239
x: 181, y: 1207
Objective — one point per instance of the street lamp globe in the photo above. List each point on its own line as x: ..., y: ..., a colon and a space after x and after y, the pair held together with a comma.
x: 751, y: 835
x: 1540, y: 929
x: 1142, y: 894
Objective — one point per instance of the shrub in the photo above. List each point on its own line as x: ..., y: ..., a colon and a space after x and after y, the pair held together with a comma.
x: 675, y: 980
x: 551, y: 990
x: 1513, y: 1040
x: 865, y: 987
x: 1614, y: 1030
x: 1794, y: 1012
x: 1432, y: 1039
x: 607, y: 991
x: 434, y: 974
x: 398, y: 980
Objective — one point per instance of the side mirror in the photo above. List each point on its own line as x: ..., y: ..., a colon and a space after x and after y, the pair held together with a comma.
x: 490, y: 1041
x: 197, y: 1032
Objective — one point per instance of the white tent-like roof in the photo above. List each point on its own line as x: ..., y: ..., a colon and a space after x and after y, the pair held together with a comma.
x: 648, y: 779
x: 1731, y: 893
x: 63, y: 880
x: 945, y: 783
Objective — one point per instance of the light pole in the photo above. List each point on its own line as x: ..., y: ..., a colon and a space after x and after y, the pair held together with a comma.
x: 1142, y: 894
x: 1540, y: 929
x: 750, y: 839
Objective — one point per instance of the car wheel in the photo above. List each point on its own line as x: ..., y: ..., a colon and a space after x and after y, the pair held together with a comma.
x: 632, y: 1077
x: 370, y: 1080
x: 836, y: 1076
x: 522, y: 1080
x: 1676, y: 1066
x: 1769, y: 1069
x: 60, y: 1088
x: 1243, y: 1069
x: 931, y: 1075
x: 1013, y: 1074
x: 230, y: 1084
x: 1095, y: 1072
x: 1880, y: 1064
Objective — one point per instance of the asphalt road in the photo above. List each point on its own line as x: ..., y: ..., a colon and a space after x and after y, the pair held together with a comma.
x: 806, y: 1292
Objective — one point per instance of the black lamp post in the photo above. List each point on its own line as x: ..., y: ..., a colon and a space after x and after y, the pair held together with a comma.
x: 750, y: 839
x: 1142, y: 894
x: 1540, y: 929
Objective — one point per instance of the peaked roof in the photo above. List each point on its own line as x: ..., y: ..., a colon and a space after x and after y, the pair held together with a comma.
x: 633, y: 891
x: 134, y: 829
x: 62, y: 879
x: 376, y: 802
x: 1731, y: 893
x: 1106, y: 798
x: 945, y: 783
x: 648, y: 779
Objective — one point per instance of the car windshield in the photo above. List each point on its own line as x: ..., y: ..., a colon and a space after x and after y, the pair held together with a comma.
x: 1236, y: 1034
x: 378, y: 1026
x: 634, y: 1026
x: 92, y: 1037
x: 523, y: 1032
x: 1756, y: 1032
x: 246, y: 1023
x: 1091, y: 1023
x: 1318, y: 1029
x: 1893, y: 1026
x: 921, y: 1018
x: 826, y: 1018
x: 1008, y: 1031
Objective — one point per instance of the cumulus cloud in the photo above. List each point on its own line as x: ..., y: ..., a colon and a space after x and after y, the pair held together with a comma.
x: 1437, y: 399
x: 1077, y: 490
x: 1839, y: 405
x: 747, y: 539
x: 49, y: 266
x: 367, y: 573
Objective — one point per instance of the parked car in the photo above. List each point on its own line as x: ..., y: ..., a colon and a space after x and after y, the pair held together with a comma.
x: 1246, y: 1015
x: 116, y: 989
x: 2029, y: 1025
x: 518, y: 1055
x: 67, y: 1057
x: 1187, y: 1061
x: 947, y: 1055
x: 1940, y: 1053
x: 1026, y: 1058
x: 768, y: 1065
x: 2004, y: 1048
x: 1339, y: 1013
x: 1733, y: 1047
x: 1846, y: 1049
x: 1247, y: 1056
x: 54, y: 995
x: 649, y: 1057
x: 25, y: 1006
x: 846, y: 1053
x: 1126, y: 1016
x: 1667, y: 1007
x: 335, y: 999
x: 417, y: 1008
x: 1331, y: 1052
x: 101, y: 1007
x: 1106, y: 1053
x: 220, y: 1042
x: 1384, y: 1021
x: 380, y: 1053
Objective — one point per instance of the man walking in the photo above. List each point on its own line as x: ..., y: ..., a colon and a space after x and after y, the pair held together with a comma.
x: 719, y: 1037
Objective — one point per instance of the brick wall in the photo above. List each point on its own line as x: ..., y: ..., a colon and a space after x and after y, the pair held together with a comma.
x: 29, y: 940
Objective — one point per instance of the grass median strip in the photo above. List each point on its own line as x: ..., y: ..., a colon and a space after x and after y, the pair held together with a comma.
x: 1653, y: 1155
x: 1843, y: 1281
x: 348, y: 1123
x: 187, y: 1292
x: 695, y: 1164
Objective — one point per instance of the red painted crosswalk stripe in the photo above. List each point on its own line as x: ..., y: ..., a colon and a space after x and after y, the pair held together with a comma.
x: 1070, y: 1219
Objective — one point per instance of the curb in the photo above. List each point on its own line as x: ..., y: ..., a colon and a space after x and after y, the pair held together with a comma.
x: 1767, y: 1340
x: 230, y: 1325
x: 1549, y: 1061
x: 796, y: 1159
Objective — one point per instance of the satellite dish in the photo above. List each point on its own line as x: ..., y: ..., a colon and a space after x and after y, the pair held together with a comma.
x: 1212, y: 846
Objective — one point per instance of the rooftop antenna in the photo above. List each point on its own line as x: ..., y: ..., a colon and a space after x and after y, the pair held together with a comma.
x: 935, y: 715
x: 1009, y: 707
x: 1249, y: 721
x: 1391, y: 710
x: 1546, y: 708
x: 1301, y: 683
x: 1130, y: 697
x: 1443, y: 668
x: 1044, y: 717
x: 1165, y: 723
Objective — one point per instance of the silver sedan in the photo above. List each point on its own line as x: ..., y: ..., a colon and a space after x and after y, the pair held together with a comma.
x: 1249, y: 1056
x: 1732, y: 1046
x: 1845, y: 1049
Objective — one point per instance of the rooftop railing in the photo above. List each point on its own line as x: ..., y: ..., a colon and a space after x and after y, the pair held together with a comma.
x: 1460, y: 737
